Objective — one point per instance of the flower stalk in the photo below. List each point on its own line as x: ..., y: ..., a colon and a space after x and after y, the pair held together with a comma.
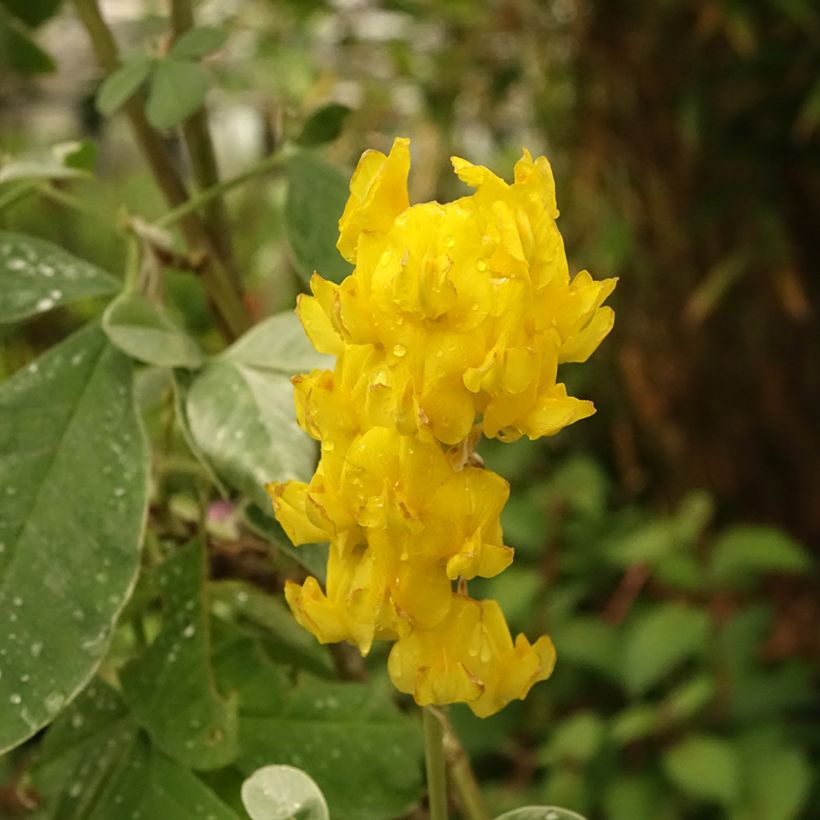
x: 435, y: 763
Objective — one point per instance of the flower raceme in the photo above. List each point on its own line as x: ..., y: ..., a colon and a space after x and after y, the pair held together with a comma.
x: 452, y: 325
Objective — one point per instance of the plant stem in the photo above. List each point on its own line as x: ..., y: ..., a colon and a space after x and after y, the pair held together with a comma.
x: 434, y: 761
x: 200, y: 197
x: 225, y: 299
x: 198, y: 141
x: 465, y: 786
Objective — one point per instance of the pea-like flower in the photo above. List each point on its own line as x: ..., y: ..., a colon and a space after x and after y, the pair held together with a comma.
x: 452, y: 325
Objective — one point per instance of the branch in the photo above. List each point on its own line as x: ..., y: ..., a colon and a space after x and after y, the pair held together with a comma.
x: 223, y: 296
x: 197, y: 135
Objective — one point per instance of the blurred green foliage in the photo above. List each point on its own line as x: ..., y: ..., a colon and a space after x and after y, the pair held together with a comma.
x: 660, y: 544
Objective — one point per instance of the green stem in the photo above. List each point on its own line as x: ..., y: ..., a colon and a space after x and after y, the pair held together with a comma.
x: 225, y: 300
x: 80, y: 205
x: 197, y: 135
x: 465, y: 786
x: 434, y: 760
x: 201, y: 197
x: 14, y: 193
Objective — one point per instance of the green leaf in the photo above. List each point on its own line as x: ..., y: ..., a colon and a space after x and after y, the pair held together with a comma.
x: 18, y: 52
x: 32, y: 169
x: 36, y: 276
x: 140, y: 329
x: 590, y: 642
x: 197, y: 42
x: 313, y: 557
x: 577, y: 740
x: 744, y: 553
x: 286, y: 641
x: 777, y: 777
x: 177, y: 89
x: 333, y: 731
x: 243, y: 421
x: 96, y: 765
x: 170, y: 686
x: 634, y: 723
x: 278, y: 344
x: 704, y: 767
x: 634, y: 798
x: 80, y: 155
x: 539, y: 813
x: 647, y: 544
x: 323, y: 125
x: 122, y: 84
x: 316, y: 197
x: 689, y: 698
x: 660, y: 640
x: 283, y: 793
x: 32, y: 12
x: 73, y: 468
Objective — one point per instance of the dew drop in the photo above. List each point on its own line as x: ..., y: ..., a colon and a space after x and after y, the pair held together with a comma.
x: 15, y: 699
x: 399, y: 350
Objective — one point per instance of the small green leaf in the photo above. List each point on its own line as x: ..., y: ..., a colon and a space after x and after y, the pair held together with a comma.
x: 742, y: 554
x: 38, y: 168
x: 81, y: 155
x: 169, y: 688
x: 283, y: 793
x: 73, y: 473
x: 576, y: 740
x: 590, y: 642
x: 647, y: 544
x: 313, y: 557
x: 316, y: 197
x: 243, y: 421
x: 122, y: 84
x: 659, y: 641
x: 198, y: 42
x: 704, y: 767
x: 689, y: 698
x: 777, y: 777
x: 18, y: 52
x: 278, y: 344
x: 634, y: 797
x: 323, y: 125
x: 143, y: 331
x: 177, y: 89
x: 36, y: 276
x: 32, y: 12
x: 634, y: 723
x: 539, y: 813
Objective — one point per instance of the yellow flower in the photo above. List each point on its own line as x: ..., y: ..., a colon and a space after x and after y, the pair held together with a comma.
x: 470, y: 658
x: 463, y: 310
x: 453, y: 323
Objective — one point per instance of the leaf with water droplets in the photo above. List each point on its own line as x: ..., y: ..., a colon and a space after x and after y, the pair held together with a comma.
x: 95, y: 764
x: 36, y: 276
x: 333, y: 731
x: 143, y: 331
x: 278, y: 344
x: 539, y: 813
x: 243, y: 420
x: 170, y: 687
x: 283, y: 793
x: 73, y: 497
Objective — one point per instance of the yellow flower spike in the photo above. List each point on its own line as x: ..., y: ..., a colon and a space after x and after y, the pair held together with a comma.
x: 469, y: 658
x: 452, y: 324
x: 378, y: 194
x: 289, y: 504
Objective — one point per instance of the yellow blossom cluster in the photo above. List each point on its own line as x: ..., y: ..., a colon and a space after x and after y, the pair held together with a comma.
x: 452, y: 325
